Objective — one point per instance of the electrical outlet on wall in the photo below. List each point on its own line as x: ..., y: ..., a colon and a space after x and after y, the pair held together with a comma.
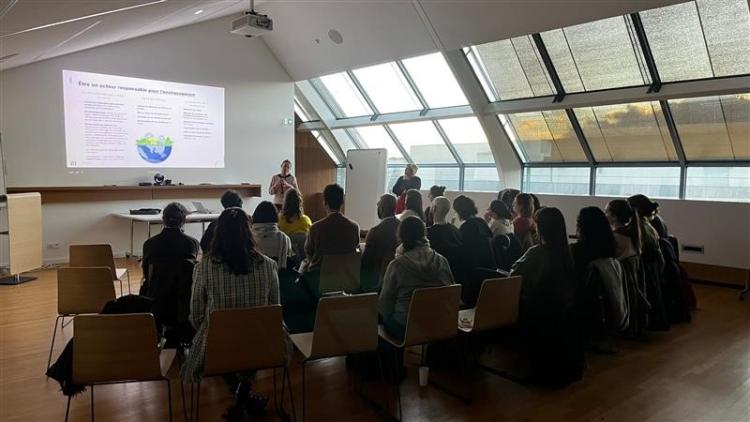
x: 53, y: 245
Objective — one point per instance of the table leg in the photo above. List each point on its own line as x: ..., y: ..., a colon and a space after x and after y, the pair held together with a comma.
x: 203, y: 227
x: 132, y: 222
x: 148, y: 223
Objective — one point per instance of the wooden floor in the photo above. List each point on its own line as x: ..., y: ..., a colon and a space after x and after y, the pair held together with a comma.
x: 695, y: 372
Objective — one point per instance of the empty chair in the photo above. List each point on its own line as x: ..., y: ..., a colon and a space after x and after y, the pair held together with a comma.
x: 83, y: 290
x: 97, y: 256
x: 497, y: 306
x: 343, y: 325
x: 232, y: 345
x: 432, y: 316
x: 340, y: 273
x: 110, y: 349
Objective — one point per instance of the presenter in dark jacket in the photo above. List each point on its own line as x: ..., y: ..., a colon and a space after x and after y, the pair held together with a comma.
x: 171, y: 244
x: 409, y: 180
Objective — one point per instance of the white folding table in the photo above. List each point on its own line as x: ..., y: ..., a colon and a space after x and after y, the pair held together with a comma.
x: 156, y: 219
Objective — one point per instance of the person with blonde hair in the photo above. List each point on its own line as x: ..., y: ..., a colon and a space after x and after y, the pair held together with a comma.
x: 281, y: 183
x: 409, y: 180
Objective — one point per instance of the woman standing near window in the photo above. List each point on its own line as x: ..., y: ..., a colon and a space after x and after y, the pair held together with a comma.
x: 409, y: 180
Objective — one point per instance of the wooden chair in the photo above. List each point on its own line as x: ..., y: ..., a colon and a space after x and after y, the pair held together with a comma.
x: 112, y: 349
x: 83, y: 290
x: 246, y: 339
x: 343, y: 325
x: 432, y: 316
x: 497, y: 306
x: 98, y: 256
x: 340, y: 273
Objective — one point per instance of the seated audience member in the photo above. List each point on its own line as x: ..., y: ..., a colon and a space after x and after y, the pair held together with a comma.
x: 625, y: 224
x: 229, y: 199
x: 333, y: 235
x: 508, y: 195
x: 477, y: 255
x: 409, y: 180
x: 650, y: 210
x: 232, y: 275
x: 523, y: 225
x: 547, y: 305
x: 444, y: 237
x: 413, y: 205
x: 380, y: 244
x: 171, y: 244
x: 435, y: 191
x: 416, y: 266
x: 292, y: 219
x: 168, y: 260
x: 499, y: 218
x: 268, y: 239
x: 294, y: 222
x: 604, y: 308
x: 535, y: 201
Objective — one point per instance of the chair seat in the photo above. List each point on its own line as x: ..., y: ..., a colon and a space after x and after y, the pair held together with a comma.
x: 120, y: 272
x: 166, y: 358
x: 389, y: 338
x: 303, y: 342
x: 466, y: 319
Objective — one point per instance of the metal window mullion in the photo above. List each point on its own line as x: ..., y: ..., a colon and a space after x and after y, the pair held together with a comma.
x: 647, y: 53
x: 398, y: 144
x: 413, y: 86
x: 550, y: 67
x: 581, y: 136
x: 592, y: 180
x: 326, y: 97
x: 448, y: 143
x: 356, y: 139
x: 683, y: 182
x: 673, y: 133
x: 364, y: 95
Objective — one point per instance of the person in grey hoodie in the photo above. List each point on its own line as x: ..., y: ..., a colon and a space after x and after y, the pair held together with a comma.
x: 416, y: 266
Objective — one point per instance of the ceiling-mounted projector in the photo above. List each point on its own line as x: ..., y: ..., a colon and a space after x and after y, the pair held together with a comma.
x: 253, y: 24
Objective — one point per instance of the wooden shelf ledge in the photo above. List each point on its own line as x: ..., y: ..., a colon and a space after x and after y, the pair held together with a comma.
x: 71, y: 194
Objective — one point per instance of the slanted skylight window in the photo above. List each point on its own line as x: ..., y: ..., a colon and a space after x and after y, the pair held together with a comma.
x: 378, y: 137
x: 545, y: 136
x: 422, y: 142
x: 387, y: 88
x: 435, y: 81
x: 342, y: 95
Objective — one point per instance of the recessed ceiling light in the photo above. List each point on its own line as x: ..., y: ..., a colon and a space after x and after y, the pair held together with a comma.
x: 198, y: 12
x: 49, y: 25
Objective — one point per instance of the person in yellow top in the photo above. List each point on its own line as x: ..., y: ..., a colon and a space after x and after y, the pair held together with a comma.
x: 294, y: 222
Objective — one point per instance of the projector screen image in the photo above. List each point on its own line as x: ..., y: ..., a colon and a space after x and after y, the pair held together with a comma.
x: 116, y: 121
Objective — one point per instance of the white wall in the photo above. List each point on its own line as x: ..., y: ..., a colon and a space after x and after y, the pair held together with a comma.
x: 722, y: 228
x: 258, y: 95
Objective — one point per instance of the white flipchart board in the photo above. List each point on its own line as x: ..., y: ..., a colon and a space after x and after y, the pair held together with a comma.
x: 365, y: 183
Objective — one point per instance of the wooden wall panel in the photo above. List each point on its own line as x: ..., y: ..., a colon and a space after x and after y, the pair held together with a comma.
x: 314, y: 170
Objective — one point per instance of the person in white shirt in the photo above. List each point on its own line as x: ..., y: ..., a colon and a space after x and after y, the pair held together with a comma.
x: 282, y: 182
x: 499, y: 218
x: 269, y: 240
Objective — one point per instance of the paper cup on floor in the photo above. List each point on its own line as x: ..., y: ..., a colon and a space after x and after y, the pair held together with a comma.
x: 424, y: 374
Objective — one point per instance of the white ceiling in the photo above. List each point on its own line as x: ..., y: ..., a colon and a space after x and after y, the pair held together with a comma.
x: 94, y: 31
x: 372, y: 30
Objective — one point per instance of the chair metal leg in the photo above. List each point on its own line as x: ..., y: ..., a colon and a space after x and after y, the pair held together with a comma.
x: 52, y: 345
x: 304, y: 402
x: 169, y: 398
x: 291, y: 393
x: 120, y: 286
x: 67, y: 409
x: 198, y: 403
x: 128, y: 274
x: 92, y: 403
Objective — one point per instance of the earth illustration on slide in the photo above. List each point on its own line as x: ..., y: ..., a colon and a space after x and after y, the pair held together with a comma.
x: 154, y: 149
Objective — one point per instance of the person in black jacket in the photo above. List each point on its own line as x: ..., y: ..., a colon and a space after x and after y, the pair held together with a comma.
x: 171, y: 244
x: 409, y: 180
x: 229, y: 199
x: 477, y: 253
x: 444, y: 237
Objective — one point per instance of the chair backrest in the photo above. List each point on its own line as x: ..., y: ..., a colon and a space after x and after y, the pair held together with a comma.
x: 169, y: 284
x: 92, y: 256
x: 83, y: 290
x: 345, y: 325
x: 112, y: 348
x: 340, y: 273
x: 497, y: 305
x: 433, y: 313
x: 244, y: 339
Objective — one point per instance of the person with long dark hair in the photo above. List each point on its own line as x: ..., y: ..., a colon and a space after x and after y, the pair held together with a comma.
x: 546, y: 309
x: 508, y: 195
x: 476, y: 252
x: 413, y: 205
x: 292, y: 218
x: 230, y: 198
x: 626, y: 226
x: 499, y: 218
x: 604, y: 308
x: 233, y: 274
